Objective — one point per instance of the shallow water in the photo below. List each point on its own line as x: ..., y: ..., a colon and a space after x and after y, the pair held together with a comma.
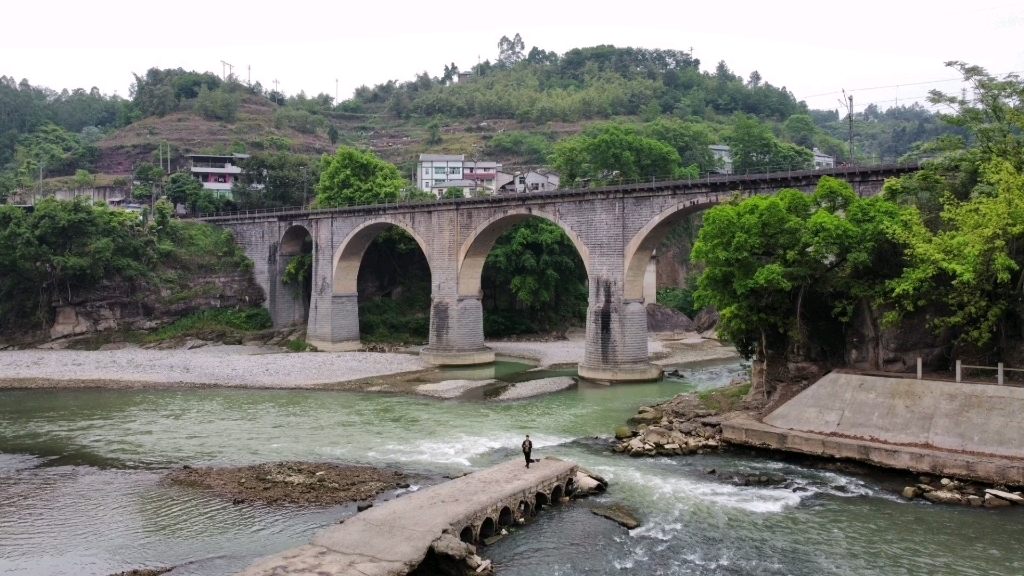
x: 81, y: 487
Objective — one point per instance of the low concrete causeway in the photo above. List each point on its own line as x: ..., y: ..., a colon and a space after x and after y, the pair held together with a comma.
x: 392, y: 539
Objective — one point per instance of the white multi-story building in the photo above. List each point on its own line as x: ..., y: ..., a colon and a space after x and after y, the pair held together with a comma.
x: 436, y: 170
x: 217, y: 173
x: 822, y: 160
x: 723, y: 157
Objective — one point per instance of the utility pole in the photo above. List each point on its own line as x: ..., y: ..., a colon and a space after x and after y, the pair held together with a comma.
x: 276, y: 92
x: 303, y: 186
x: 248, y: 78
x: 230, y: 68
x: 849, y: 114
x: 335, y: 91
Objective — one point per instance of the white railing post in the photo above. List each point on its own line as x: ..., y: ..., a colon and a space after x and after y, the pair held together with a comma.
x: 999, y: 374
x: 959, y: 372
x: 919, y: 368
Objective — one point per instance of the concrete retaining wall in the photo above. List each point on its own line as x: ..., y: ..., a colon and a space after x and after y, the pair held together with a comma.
x: 949, y: 416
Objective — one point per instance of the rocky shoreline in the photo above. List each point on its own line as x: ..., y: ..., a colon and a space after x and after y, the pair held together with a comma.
x: 690, y: 423
x: 304, y: 483
x: 961, y: 492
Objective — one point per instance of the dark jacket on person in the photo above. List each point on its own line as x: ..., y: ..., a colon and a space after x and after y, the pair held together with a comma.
x: 527, y: 446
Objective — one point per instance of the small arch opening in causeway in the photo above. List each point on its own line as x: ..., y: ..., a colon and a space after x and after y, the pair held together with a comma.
x: 556, y: 494
x: 505, y: 517
x: 542, y: 501
x: 384, y: 265
x: 297, y: 243
x: 570, y: 487
x: 512, y: 245
x: 487, y: 528
x: 523, y: 509
x: 466, y: 535
x: 679, y: 225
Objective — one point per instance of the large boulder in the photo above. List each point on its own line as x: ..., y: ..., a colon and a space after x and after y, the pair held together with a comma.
x: 706, y: 319
x: 872, y: 346
x: 664, y: 319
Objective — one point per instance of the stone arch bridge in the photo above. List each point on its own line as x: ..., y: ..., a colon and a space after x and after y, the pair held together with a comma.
x: 615, y: 229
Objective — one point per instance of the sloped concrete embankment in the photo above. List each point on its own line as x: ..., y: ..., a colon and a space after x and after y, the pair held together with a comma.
x: 393, y: 539
x: 965, y: 430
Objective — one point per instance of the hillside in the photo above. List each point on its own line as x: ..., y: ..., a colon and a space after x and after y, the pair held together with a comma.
x: 512, y: 110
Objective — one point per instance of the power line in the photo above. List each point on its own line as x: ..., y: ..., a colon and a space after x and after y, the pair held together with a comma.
x: 833, y: 93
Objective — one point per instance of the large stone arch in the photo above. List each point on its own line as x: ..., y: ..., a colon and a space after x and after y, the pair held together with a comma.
x: 286, y: 304
x: 343, y: 334
x: 478, y: 244
x: 349, y: 255
x: 641, y: 247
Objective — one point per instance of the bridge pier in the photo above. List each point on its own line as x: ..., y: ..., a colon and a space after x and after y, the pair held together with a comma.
x: 616, y: 348
x: 457, y: 333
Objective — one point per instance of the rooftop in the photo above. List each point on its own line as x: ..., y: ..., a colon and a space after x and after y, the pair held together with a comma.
x: 442, y: 157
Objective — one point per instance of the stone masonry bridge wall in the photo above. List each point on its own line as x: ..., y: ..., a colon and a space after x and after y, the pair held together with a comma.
x: 615, y: 230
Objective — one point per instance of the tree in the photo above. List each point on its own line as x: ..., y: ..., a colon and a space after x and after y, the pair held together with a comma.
x: 800, y: 130
x: 611, y: 152
x: 216, y: 104
x: 332, y: 134
x: 964, y: 228
x: 183, y: 189
x: 453, y: 193
x: 434, y: 132
x: 510, y: 52
x: 753, y: 147
x: 786, y: 271
x: 691, y: 141
x: 353, y: 177
x: 275, y: 180
x: 84, y: 179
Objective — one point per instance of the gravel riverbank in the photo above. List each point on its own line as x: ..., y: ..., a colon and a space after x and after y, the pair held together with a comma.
x: 242, y: 366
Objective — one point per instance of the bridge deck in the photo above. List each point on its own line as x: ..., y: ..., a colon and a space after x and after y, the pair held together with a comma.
x: 393, y: 538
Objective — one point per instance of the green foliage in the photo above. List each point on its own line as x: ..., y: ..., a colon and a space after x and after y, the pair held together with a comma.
x: 690, y: 140
x: 148, y: 173
x: 216, y: 105
x: 353, y: 177
x: 533, y: 279
x: 332, y: 134
x: 754, y: 148
x: 453, y: 193
x: 221, y: 320
x: 434, y: 132
x: 788, y: 269
x: 964, y: 231
x: 299, y: 270
x: 532, y: 148
x: 678, y: 298
x: 298, y: 120
x: 611, y: 152
x: 274, y: 180
x: 58, y: 151
x: 183, y: 189
x: 84, y: 179
x: 277, y: 143
x: 800, y: 130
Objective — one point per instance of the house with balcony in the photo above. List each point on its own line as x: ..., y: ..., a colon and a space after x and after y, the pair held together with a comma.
x: 436, y: 171
x: 217, y: 173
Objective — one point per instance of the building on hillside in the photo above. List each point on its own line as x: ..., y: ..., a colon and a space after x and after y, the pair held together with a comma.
x: 217, y: 173
x: 465, y: 77
x: 531, y: 181
x: 723, y: 158
x: 435, y: 171
x: 469, y: 188
x: 822, y: 160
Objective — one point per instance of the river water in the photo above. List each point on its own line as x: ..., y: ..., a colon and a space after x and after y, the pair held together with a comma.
x: 81, y: 489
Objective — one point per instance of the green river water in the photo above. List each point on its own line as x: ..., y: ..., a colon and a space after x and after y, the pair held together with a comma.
x: 82, y: 489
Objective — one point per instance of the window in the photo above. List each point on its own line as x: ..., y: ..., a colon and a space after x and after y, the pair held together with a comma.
x: 426, y: 171
x: 455, y: 170
x: 439, y: 170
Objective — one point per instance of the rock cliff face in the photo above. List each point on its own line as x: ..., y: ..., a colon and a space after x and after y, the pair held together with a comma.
x: 120, y: 306
x: 871, y: 346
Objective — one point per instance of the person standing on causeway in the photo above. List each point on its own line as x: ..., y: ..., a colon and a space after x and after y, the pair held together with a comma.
x: 527, y: 449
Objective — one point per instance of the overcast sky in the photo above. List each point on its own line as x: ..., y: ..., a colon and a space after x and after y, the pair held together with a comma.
x: 814, y: 48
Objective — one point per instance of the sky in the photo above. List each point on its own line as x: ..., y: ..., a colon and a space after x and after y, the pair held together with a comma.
x: 882, y: 52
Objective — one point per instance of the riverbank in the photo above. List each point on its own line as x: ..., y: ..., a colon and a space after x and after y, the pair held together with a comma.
x: 267, y: 367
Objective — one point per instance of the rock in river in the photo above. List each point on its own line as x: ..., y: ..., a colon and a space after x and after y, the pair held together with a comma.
x: 617, y: 514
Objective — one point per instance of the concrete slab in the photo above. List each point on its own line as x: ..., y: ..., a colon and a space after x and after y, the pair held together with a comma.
x: 985, y: 468
x: 393, y: 538
x: 949, y: 416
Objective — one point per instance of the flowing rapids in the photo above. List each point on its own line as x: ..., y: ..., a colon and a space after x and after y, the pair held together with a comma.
x: 82, y: 489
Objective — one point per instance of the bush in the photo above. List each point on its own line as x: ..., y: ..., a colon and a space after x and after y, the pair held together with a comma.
x: 216, y: 320
x: 298, y: 120
x: 216, y: 105
x: 678, y: 298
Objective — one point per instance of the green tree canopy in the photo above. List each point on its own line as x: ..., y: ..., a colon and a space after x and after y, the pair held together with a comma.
x: 352, y: 177
x: 753, y: 147
x: 611, y: 152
